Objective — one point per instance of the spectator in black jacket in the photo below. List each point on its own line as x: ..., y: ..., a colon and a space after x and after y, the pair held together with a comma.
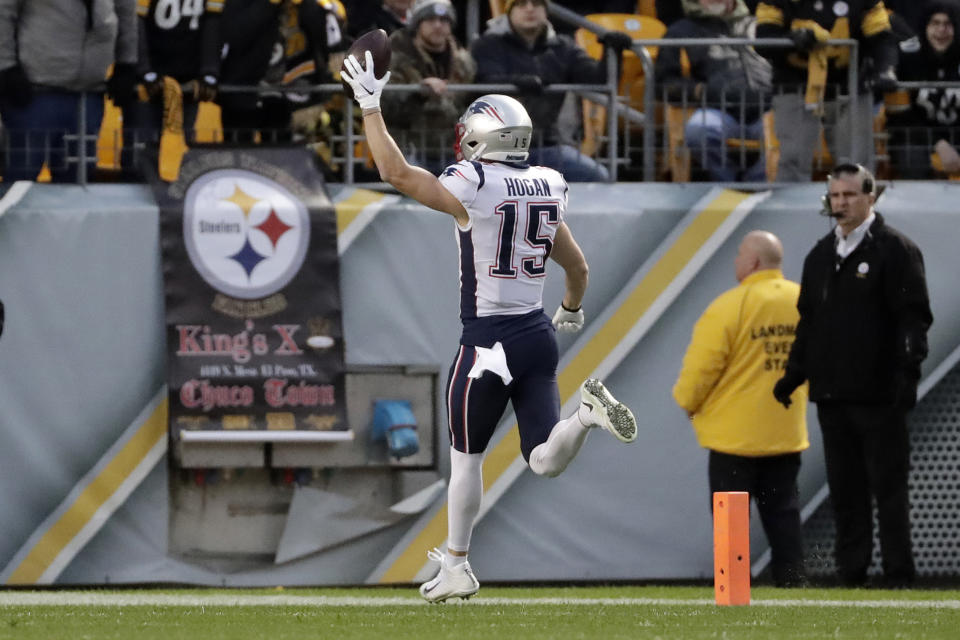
x: 931, y: 116
x: 182, y: 45
x: 810, y: 77
x: 522, y: 48
x: 729, y: 85
x: 862, y: 335
x: 276, y: 44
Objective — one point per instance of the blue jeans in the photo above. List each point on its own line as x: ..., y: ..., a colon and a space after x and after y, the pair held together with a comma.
x: 36, y: 133
x: 706, y: 133
x: 574, y: 166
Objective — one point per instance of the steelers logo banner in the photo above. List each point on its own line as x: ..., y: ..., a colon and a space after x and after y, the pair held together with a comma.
x: 252, y: 290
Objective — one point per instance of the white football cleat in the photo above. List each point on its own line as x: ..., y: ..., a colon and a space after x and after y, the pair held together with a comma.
x: 450, y: 582
x: 599, y: 408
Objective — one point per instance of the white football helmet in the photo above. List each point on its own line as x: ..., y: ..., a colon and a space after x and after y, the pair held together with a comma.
x: 494, y: 127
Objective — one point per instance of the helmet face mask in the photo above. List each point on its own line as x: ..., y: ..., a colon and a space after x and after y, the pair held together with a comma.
x: 494, y: 127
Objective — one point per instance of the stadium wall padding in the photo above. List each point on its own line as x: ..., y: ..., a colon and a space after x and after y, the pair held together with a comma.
x: 82, y: 356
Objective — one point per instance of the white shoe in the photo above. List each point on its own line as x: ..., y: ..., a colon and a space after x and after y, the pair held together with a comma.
x: 599, y: 408
x: 450, y: 582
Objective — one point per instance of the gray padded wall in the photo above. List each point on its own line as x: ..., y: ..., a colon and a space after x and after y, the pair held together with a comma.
x: 79, y: 271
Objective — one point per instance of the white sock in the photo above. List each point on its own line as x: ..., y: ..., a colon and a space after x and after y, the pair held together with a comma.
x: 582, y: 411
x: 454, y: 560
x: 550, y: 458
x: 464, y: 494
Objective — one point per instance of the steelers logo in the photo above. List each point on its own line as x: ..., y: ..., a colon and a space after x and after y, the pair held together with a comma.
x: 246, y: 235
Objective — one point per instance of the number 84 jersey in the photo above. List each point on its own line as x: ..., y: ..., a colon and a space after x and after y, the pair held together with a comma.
x: 515, y: 210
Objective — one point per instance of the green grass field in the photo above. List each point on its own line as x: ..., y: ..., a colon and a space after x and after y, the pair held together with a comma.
x: 671, y: 613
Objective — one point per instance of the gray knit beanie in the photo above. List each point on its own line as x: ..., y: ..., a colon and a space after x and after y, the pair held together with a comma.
x: 423, y: 9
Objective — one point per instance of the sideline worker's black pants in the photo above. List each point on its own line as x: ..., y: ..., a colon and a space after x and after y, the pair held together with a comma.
x: 867, y: 451
x: 772, y: 482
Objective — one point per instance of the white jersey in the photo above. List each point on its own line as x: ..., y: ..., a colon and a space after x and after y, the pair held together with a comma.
x: 514, y: 211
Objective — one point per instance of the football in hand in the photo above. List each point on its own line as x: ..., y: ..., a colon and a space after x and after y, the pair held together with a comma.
x: 378, y: 44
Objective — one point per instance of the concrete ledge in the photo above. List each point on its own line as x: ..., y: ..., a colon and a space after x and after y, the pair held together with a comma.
x: 266, y: 436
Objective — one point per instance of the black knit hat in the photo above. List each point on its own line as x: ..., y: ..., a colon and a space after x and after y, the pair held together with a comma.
x: 952, y: 9
x: 949, y: 7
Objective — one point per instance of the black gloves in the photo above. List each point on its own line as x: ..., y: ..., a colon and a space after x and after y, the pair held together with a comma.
x: 529, y: 84
x: 15, y: 86
x: 803, y: 39
x: 616, y: 40
x: 884, y: 81
x: 783, y: 389
x: 122, y: 85
x: 904, y: 390
x: 205, y: 89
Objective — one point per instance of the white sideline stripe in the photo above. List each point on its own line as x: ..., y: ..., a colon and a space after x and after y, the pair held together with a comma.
x: 363, y: 219
x: 98, y: 518
x: 14, y: 194
x: 74, y: 599
x: 679, y: 282
x: 106, y: 510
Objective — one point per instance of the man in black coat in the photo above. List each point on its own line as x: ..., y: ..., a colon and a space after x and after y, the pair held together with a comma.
x: 864, y: 315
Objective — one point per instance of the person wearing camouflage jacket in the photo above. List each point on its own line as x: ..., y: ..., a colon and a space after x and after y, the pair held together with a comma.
x: 427, y: 54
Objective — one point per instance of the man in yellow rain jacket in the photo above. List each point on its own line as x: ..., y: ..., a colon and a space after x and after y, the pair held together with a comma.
x: 738, y: 351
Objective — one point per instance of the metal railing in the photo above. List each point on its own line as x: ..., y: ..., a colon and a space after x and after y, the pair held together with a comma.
x: 913, y: 148
x: 621, y: 117
x: 852, y: 75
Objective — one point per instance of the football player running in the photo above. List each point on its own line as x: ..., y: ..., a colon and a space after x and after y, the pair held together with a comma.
x: 509, y: 218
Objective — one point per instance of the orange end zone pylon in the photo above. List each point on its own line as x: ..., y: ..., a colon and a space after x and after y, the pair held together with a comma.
x: 731, y: 547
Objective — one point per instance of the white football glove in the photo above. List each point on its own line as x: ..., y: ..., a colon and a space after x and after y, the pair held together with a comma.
x: 366, y: 87
x: 567, y: 321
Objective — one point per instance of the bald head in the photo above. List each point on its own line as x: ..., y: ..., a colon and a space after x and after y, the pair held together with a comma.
x: 759, y: 250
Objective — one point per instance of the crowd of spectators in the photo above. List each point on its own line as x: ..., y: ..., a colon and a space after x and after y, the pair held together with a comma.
x: 727, y: 86
x: 150, y: 56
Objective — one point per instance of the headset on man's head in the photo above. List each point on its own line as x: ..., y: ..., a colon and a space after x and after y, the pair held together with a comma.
x: 869, y: 184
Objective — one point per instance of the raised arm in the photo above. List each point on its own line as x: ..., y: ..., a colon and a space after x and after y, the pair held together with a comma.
x: 419, y: 184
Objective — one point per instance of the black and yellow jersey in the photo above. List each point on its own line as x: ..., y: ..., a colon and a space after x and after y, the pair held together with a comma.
x: 312, y: 30
x: 180, y: 38
x: 864, y: 20
x: 279, y: 42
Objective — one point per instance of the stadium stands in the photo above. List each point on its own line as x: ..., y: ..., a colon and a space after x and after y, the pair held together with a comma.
x: 659, y: 127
